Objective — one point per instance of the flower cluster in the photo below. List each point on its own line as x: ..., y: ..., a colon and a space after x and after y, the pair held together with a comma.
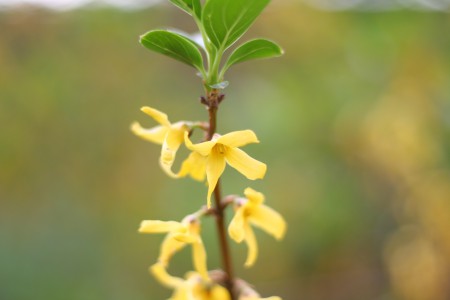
x: 207, y: 159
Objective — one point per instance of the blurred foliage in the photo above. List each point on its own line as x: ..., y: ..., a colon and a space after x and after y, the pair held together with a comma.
x: 354, y: 127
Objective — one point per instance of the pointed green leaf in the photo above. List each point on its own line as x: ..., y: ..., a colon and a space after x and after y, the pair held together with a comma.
x: 225, y: 21
x: 254, y: 49
x: 197, y: 8
x: 189, y: 6
x: 173, y: 45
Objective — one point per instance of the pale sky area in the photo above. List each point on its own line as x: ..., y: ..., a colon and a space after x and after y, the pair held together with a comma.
x: 323, y: 4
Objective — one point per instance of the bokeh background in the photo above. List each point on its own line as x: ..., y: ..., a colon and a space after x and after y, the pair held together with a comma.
x: 354, y: 126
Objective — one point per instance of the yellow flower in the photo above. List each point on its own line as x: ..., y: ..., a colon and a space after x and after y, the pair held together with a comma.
x: 250, y: 210
x: 179, y: 235
x: 224, y: 149
x: 169, y: 135
x: 194, y: 287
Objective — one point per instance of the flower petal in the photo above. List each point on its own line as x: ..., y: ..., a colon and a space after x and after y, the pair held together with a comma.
x: 172, y: 142
x: 169, y: 247
x: 253, y: 196
x: 215, y: 165
x: 268, y: 220
x: 155, y: 135
x: 238, y: 138
x: 218, y: 292
x: 236, y: 227
x: 160, y: 273
x: 248, y: 166
x: 157, y: 115
x: 185, y: 238
x: 252, y: 245
x: 155, y: 226
x: 195, y: 166
x: 199, y: 258
x: 202, y: 148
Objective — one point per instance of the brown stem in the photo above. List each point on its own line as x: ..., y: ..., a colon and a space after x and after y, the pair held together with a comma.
x: 212, y: 103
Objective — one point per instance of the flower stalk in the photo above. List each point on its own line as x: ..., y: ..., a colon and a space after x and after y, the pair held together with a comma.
x: 213, y: 100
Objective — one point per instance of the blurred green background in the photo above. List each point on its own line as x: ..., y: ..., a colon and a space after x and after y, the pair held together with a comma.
x: 354, y: 127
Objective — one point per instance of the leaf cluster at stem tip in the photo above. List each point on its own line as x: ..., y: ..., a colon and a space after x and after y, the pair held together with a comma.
x: 221, y: 23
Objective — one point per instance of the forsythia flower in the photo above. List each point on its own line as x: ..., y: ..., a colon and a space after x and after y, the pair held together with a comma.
x: 250, y: 210
x: 169, y: 135
x: 179, y: 235
x: 224, y: 149
x: 194, y: 287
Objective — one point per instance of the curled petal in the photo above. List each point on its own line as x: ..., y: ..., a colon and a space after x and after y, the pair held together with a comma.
x: 248, y: 166
x: 202, y: 148
x: 199, y: 259
x: 155, y: 226
x: 252, y: 245
x: 268, y: 220
x: 169, y: 247
x: 155, y: 135
x: 172, y: 142
x: 253, y: 196
x: 195, y: 166
x: 238, y: 138
x: 236, y: 227
x: 160, y: 273
x: 157, y: 115
x: 215, y: 165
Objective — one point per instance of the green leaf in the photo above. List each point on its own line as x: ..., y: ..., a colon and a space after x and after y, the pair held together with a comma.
x: 197, y: 8
x: 225, y: 21
x: 173, y: 45
x: 254, y: 49
x: 189, y: 6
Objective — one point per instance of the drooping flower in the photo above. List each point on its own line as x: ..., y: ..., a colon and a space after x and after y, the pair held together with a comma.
x: 179, y: 235
x: 194, y: 287
x: 225, y: 149
x: 251, y: 211
x: 169, y: 135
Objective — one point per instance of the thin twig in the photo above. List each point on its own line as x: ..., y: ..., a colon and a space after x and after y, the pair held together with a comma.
x: 212, y: 102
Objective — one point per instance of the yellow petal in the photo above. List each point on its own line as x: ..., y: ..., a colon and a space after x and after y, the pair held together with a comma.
x: 185, y: 238
x: 248, y: 166
x: 164, y: 278
x: 252, y: 245
x: 238, y: 138
x: 172, y: 142
x: 218, y: 292
x: 215, y: 165
x: 269, y: 220
x: 236, y: 227
x: 195, y: 166
x: 202, y: 148
x: 169, y: 247
x: 155, y: 226
x: 155, y: 135
x: 157, y: 115
x: 253, y: 196
x: 199, y: 259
